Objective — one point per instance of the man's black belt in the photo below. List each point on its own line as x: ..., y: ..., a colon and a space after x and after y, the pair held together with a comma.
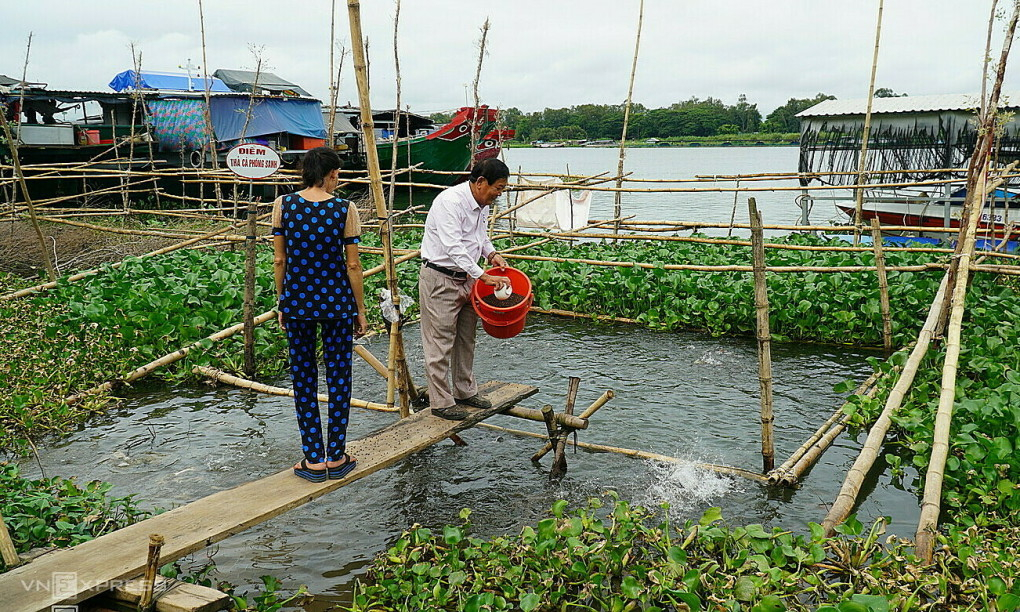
x: 451, y: 273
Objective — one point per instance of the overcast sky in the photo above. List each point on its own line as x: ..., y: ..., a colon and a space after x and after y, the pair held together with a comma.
x: 549, y: 53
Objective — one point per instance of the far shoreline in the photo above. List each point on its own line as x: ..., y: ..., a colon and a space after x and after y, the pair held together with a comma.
x: 642, y: 145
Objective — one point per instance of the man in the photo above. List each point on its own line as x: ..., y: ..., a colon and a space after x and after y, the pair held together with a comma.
x: 455, y: 239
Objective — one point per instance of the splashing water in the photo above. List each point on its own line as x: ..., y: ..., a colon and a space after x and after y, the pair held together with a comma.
x: 686, y: 487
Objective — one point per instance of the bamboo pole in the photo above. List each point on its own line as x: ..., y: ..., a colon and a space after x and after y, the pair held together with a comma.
x: 725, y: 267
x: 334, y: 77
x: 475, y: 120
x: 932, y: 503
x: 134, y: 232
x: 729, y: 241
x: 12, y: 144
x: 145, y: 602
x: 207, y: 109
x: 883, y: 285
x: 777, y: 474
x: 559, y: 458
x: 552, y: 431
x: 530, y: 414
x: 230, y: 379
x: 617, y: 203
x: 367, y: 128
x: 249, y: 293
x: 166, y: 359
x: 372, y: 360
x: 761, y: 305
x: 639, y: 454
x: 959, y: 275
x: 7, y: 551
x: 862, y: 163
x: 851, y: 487
x: 804, y: 457
x: 396, y: 362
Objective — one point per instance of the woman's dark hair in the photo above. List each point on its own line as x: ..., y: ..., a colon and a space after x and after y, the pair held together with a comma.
x: 316, y: 164
x: 491, y: 170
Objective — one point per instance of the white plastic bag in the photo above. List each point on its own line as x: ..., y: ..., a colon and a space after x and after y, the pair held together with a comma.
x: 389, y: 311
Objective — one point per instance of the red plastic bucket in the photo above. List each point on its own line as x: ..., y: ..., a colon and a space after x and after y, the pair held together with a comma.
x: 503, y: 322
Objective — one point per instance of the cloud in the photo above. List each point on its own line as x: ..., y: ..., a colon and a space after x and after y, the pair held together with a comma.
x: 540, y: 53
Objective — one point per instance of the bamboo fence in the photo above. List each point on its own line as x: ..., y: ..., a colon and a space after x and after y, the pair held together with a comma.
x: 960, y: 262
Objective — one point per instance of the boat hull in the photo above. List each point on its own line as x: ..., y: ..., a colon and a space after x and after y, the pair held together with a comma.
x: 931, y: 213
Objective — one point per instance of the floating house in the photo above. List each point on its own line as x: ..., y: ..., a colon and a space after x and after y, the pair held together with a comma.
x: 912, y: 139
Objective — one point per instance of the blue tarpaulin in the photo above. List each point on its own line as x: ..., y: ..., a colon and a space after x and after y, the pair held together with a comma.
x: 299, y: 117
x: 180, y: 124
x: 172, y: 81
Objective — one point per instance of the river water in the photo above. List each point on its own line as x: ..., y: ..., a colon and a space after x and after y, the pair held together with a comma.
x: 680, y: 394
x: 682, y: 163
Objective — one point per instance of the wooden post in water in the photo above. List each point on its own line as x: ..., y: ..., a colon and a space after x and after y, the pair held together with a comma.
x: 7, y: 550
x: 249, y: 291
x: 761, y: 305
x: 883, y: 285
x: 151, y: 566
x: 372, y: 155
x: 559, y: 456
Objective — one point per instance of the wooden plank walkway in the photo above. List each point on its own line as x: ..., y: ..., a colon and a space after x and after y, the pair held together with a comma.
x: 72, y: 575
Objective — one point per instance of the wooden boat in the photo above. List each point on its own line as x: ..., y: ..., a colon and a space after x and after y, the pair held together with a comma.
x: 444, y: 155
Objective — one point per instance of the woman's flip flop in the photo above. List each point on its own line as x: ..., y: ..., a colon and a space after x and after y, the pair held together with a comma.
x: 309, y: 474
x: 345, y: 468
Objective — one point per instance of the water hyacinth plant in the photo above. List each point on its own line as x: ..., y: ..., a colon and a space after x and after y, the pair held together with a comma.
x: 625, y: 557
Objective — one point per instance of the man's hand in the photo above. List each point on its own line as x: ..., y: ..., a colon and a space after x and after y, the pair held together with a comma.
x: 495, y: 281
x: 497, y: 260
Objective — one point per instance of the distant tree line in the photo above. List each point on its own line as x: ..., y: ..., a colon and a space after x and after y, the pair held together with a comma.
x: 693, y: 117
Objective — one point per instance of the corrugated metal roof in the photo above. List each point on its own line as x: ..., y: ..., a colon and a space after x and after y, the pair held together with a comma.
x: 905, y: 104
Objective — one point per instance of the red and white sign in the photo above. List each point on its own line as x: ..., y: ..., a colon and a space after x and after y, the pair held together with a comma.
x: 253, y: 161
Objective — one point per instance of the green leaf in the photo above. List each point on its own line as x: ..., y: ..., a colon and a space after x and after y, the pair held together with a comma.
x: 769, y: 603
x: 710, y: 516
x: 996, y: 586
x: 1007, y: 602
x: 630, y: 587
x: 745, y: 589
x: 529, y: 602
x: 874, y: 603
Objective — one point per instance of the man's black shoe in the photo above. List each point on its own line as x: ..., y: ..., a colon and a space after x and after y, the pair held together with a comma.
x: 451, y: 413
x: 475, y: 401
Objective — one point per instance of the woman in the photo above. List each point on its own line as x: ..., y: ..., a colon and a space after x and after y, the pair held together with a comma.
x: 319, y: 284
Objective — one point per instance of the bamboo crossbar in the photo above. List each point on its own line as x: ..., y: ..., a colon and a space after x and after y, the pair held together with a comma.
x: 727, y: 268
x: 602, y: 448
x: 747, y: 243
x: 236, y: 381
x: 166, y: 359
x: 695, y: 225
x: 565, y: 420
